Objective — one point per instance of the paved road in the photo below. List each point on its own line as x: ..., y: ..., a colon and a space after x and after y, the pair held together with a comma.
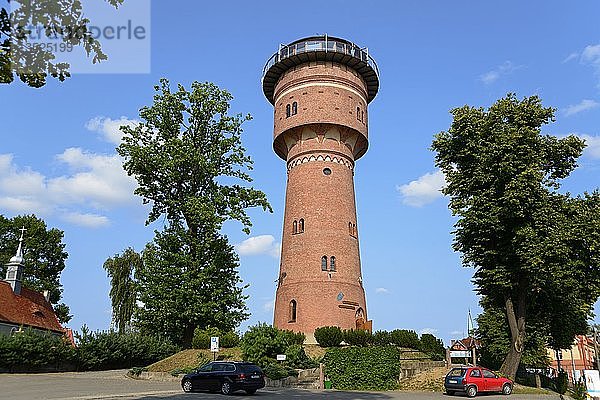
x: 114, y: 385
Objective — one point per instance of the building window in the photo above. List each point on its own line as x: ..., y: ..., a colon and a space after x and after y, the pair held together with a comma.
x: 294, y: 108
x: 358, y: 113
x: 293, y: 311
x: 295, y: 230
x: 287, y: 111
x: 301, y: 226
x: 324, y: 263
x: 326, y: 171
x: 362, y: 116
x: 332, y: 264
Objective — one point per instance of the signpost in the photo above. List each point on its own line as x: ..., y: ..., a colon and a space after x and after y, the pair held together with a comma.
x: 214, y: 346
x: 281, y: 357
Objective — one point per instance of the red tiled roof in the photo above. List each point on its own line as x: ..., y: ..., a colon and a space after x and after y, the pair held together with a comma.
x: 30, y: 308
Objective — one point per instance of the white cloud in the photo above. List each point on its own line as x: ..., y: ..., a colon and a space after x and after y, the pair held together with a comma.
x: 504, y: 69
x: 381, y: 290
x: 262, y: 244
x: 457, y: 333
x: 431, y: 331
x: 424, y: 190
x: 583, y: 105
x: 592, y: 148
x: 591, y: 56
x: 94, y: 181
x: 570, y: 57
x: 109, y: 128
x: 87, y: 220
x: 97, y: 180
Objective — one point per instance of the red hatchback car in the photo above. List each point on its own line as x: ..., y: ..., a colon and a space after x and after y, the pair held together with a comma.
x: 472, y: 380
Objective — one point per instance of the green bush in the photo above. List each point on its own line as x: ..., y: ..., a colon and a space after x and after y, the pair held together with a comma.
x: 381, y: 338
x: 405, y: 338
x: 562, y: 382
x: 432, y: 346
x: 579, y: 391
x: 358, y: 337
x: 201, y: 339
x: 103, y: 350
x: 295, y: 357
x: 329, y: 336
x: 363, y: 368
x: 35, y: 351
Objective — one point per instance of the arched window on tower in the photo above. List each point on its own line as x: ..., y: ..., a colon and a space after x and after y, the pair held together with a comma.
x: 332, y: 264
x: 324, y: 263
x: 350, y: 228
x: 301, y: 225
x: 287, y: 111
x: 362, y: 116
x: 295, y: 229
x: 293, y: 311
x: 294, y: 108
x: 358, y: 113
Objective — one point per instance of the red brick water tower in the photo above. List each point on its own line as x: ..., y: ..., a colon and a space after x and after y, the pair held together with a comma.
x: 320, y: 88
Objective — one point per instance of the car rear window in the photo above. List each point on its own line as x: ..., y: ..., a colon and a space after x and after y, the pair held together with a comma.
x: 250, y: 368
x: 455, y: 372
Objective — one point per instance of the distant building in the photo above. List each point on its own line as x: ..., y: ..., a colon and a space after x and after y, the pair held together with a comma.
x: 573, y: 361
x: 464, y: 351
x: 20, y: 307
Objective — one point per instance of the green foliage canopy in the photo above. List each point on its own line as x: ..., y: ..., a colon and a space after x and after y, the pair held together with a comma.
x: 123, y: 288
x: 533, y: 249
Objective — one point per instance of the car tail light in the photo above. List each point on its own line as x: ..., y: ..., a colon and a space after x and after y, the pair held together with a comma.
x: 242, y: 376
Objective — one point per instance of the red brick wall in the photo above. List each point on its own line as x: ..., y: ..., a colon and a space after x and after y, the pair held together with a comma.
x: 325, y: 133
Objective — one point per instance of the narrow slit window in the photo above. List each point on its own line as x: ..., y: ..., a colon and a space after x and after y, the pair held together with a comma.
x: 293, y: 311
x: 295, y: 229
x: 301, y: 225
x: 358, y: 113
x: 332, y: 264
x: 287, y: 111
x: 324, y: 263
x: 294, y: 108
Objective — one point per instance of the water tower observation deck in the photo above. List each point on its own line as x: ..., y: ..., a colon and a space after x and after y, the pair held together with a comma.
x: 320, y: 48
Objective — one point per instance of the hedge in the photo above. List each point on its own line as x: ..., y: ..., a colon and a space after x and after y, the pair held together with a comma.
x: 329, y: 336
x: 363, y: 368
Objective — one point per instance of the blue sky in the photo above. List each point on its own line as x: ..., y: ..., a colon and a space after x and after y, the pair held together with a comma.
x: 57, y: 156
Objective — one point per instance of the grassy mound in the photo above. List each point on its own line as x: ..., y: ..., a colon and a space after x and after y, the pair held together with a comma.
x: 193, y: 358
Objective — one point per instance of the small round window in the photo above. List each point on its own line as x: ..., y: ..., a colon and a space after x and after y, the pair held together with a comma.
x: 326, y: 171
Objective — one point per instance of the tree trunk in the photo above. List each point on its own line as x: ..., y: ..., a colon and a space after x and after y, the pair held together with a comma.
x: 188, y: 335
x: 516, y: 322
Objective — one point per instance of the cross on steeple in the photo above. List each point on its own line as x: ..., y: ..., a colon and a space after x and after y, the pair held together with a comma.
x: 20, y: 249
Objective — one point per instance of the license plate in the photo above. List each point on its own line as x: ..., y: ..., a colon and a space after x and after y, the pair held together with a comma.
x: 452, y: 381
x: 254, y: 376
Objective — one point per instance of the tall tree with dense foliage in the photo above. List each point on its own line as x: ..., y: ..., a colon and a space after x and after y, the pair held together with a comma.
x: 44, y: 253
x: 31, y: 61
x: 534, y: 249
x: 123, y: 289
x: 186, y: 154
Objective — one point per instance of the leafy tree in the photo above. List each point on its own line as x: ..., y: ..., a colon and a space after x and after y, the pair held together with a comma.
x: 31, y: 62
x: 405, y: 338
x: 184, y: 154
x: 181, y: 292
x: 494, y: 335
x: 44, y: 254
x: 534, y: 249
x: 123, y: 288
x: 432, y: 346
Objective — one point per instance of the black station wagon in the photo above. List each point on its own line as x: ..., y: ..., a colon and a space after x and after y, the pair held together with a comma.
x: 226, y: 377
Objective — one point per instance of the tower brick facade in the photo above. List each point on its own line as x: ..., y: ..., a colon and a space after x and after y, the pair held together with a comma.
x: 320, y: 88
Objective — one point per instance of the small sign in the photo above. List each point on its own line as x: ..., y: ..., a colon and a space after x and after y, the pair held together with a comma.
x: 281, y: 357
x: 461, y: 354
x: 592, y: 382
x: 214, y: 344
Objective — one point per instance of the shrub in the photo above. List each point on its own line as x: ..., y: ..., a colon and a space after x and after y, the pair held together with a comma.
x: 229, y: 339
x: 102, y: 350
x: 201, y: 339
x: 432, y: 346
x: 363, y: 368
x: 291, y: 337
x: 358, y: 337
x: 579, y: 391
x: 381, y: 338
x: 34, y: 351
x: 562, y: 382
x: 329, y: 336
x: 295, y: 357
x: 405, y: 338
